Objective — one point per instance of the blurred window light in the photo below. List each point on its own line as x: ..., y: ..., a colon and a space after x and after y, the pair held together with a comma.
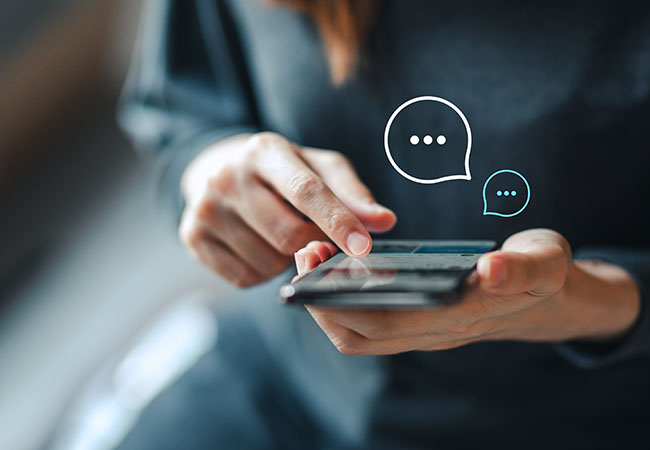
x: 166, y: 351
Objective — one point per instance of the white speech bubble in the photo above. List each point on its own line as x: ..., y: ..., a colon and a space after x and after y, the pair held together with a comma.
x: 465, y: 176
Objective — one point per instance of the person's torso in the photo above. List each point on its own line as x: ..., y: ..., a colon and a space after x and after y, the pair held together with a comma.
x: 560, y: 92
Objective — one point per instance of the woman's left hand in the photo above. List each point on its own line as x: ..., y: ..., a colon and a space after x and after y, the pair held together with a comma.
x: 530, y: 290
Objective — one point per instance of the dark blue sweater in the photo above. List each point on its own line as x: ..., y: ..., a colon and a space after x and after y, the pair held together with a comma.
x: 558, y: 90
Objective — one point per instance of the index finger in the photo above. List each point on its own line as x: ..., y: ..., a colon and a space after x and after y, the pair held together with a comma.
x: 294, y: 180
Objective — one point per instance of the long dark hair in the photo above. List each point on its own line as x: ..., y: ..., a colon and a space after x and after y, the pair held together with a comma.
x: 343, y: 26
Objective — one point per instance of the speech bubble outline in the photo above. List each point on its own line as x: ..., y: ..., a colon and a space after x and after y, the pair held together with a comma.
x: 485, y: 203
x: 466, y: 176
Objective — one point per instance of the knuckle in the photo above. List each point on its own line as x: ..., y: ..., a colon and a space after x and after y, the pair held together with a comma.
x: 225, y: 181
x: 190, y: 235
x: 553, y: 270
x: 264, y: 141
x: 206, y: 210
x: 304, y: 187
x: 554, y: 236
x: 558, y: 279
x: 338, y: 219
x: 566, y: 247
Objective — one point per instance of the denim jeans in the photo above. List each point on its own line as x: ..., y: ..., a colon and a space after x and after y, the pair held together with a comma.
x: 272, y: 380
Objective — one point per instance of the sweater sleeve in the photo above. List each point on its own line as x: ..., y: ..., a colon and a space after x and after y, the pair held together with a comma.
x: 186, y: 89
x: 636, y: 342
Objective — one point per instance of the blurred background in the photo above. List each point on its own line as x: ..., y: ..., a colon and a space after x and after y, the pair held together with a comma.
x: 87, y: 264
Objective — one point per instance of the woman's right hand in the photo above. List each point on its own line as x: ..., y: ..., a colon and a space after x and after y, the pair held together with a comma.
x: 247, y: 196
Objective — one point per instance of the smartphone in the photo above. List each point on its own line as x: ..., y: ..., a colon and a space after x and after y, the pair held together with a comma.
x: 396, y: 274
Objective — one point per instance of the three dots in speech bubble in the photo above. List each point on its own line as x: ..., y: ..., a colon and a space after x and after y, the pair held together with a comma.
x: 427, y: 140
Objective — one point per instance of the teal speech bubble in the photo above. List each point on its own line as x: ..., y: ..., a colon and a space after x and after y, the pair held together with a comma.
x: 507, y: 191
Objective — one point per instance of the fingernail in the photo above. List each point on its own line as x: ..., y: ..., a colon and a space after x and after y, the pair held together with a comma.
x: 496, y: 271
x: 300, y: 262
x: 357, y: 243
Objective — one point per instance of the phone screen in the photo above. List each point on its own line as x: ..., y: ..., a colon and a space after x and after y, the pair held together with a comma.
x: 396, y: 266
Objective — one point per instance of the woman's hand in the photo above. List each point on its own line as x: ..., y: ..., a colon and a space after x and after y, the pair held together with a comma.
x: 529, y: 290
x: 244, y: 199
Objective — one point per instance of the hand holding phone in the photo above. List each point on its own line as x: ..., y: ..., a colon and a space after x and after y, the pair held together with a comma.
x: 528, y: 290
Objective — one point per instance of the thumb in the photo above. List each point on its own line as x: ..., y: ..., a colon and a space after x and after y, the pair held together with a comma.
x: 339, y: 175
x: 541, y: 271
